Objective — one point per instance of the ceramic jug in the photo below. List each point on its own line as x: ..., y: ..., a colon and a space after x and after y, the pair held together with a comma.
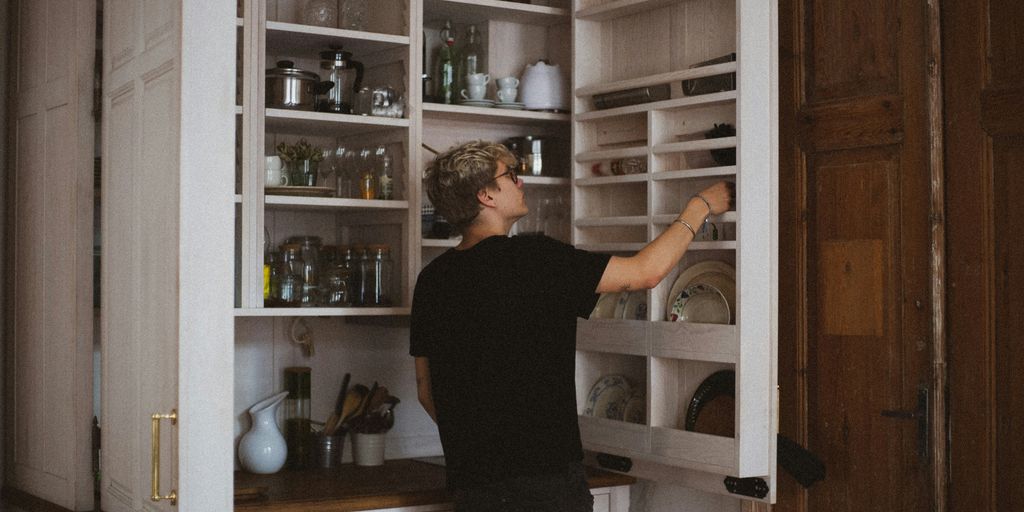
x: 262, y: 449
x: 542, y: 87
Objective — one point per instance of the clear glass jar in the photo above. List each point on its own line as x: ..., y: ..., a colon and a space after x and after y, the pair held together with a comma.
x: 289, y: 288
x: 353, y: 14
x: 358, y: 259
x: 320, y: 13
x: 376, y: 276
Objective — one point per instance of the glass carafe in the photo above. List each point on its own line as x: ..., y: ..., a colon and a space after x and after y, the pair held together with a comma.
x: 337, y: 66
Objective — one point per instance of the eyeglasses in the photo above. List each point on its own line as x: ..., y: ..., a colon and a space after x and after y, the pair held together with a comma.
x: 511, y: 175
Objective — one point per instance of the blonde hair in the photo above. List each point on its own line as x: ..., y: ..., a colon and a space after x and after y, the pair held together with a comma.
x: 455, y: 176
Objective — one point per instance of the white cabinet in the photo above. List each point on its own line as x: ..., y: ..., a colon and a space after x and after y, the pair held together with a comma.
x: 655, y: 45
x: 603, y: 47
x: 269, y: 32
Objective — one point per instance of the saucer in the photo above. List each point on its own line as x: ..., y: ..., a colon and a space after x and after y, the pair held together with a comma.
x: 511, y: 105
x: 478, y: 103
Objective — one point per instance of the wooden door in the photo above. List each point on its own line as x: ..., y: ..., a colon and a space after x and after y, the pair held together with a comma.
x: 855, y: 294
x: 983, y: 69
x: 167, y: 288
x: 49, y: 342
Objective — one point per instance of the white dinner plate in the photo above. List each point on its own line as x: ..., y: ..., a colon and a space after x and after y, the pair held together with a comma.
x: 605, y: 307
x: 608, y: 396
x: 620, y: 305
x: 635, y: 410
x: 477, y: 103
x: 686, y: 277
x: 635, y: 307
x: 700, y: 303
x: 510, y: 105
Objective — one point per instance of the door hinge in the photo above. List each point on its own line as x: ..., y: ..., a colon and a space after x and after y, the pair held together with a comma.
x: 755, y: 487
x: 923, y: 417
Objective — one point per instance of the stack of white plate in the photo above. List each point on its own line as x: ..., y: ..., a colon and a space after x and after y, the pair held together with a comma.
x: 623, y: 306
x: 704, y: 293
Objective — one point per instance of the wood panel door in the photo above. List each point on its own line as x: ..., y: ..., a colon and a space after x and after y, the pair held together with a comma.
x: 48, y: 402
x: 855, y: 248
x: 983, y: 73
x: 168, y: 237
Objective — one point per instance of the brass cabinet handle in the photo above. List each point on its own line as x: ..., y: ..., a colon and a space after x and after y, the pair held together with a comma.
x: 173, y: 496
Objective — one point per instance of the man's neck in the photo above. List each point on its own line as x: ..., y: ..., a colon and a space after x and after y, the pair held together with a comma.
x: 478, y: 231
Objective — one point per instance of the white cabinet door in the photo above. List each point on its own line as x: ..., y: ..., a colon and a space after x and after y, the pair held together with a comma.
x: 49, y: 395
x: 675, y: 142
x: 167, y: 326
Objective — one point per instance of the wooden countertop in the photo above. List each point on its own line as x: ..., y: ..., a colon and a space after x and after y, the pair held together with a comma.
x: 398, y: 483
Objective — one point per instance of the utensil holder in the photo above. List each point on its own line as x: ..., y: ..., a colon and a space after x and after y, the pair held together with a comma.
x: 368, y: 449
x: 329, y: 450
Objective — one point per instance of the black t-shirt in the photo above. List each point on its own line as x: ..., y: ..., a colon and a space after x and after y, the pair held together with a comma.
x: 498, y: 325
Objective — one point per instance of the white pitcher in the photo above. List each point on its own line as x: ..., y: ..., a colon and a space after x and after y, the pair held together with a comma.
x: 262, y: 449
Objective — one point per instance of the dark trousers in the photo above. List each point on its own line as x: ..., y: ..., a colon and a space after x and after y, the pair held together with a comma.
x: 562, y: 492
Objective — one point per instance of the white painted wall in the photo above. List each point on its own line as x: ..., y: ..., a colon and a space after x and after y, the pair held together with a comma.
x: 363, y: 347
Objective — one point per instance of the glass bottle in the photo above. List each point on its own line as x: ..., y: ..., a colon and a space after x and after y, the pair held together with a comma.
x: 446, y: 63
x: 358, y: 263
x: 376, y: 276
x: 350, y: 263
x: 290, y: 280
x: 272, y: 264
x: 367, y: 176
x: 298, y: 434
x: 471, y: 58
x: 385, y: 177
x: 346, y: 165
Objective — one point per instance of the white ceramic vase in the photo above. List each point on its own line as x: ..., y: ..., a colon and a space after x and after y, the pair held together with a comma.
x: 262, y: 449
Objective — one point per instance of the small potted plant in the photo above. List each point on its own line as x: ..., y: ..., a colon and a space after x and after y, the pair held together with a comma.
x: 302, y: 160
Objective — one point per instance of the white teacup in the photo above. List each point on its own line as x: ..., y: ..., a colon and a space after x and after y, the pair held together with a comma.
x: 477, y: 79
x: 507, y: 95
x: 474, y: 92
x: 508, y: 82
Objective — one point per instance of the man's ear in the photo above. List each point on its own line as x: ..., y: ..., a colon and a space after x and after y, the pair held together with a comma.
x: 484, y: 197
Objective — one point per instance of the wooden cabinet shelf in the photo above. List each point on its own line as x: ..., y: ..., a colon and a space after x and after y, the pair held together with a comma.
x: 325, y: 312
x: 619, y: 8
x: 305, y: 40
x: 481, y: 11
x: 656, y: 79
x: 301, y: 122
x: 333, y: 203
x: 675, y: 103
x: 443, y: 112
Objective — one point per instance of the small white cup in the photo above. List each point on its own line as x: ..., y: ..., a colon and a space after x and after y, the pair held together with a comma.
x: 508, y: 82
x: 276, y: 177
x: 507, y: 95
x: 475, y: 92
x: 478, y: 79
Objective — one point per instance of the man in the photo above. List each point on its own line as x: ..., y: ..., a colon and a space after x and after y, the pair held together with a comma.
x: 493, y: 333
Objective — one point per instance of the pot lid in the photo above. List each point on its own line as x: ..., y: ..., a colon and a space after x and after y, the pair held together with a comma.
x: 286, y: 68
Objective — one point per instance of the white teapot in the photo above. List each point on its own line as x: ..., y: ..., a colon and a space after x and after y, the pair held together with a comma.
x: 543, y: 87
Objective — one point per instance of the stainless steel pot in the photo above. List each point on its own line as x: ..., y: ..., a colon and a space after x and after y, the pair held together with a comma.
x: 293, y: 88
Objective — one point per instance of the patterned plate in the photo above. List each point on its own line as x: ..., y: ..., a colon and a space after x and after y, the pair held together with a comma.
x: 607, y: 399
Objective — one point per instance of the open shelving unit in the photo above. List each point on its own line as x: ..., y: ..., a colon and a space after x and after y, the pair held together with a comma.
x: 667, y: 360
